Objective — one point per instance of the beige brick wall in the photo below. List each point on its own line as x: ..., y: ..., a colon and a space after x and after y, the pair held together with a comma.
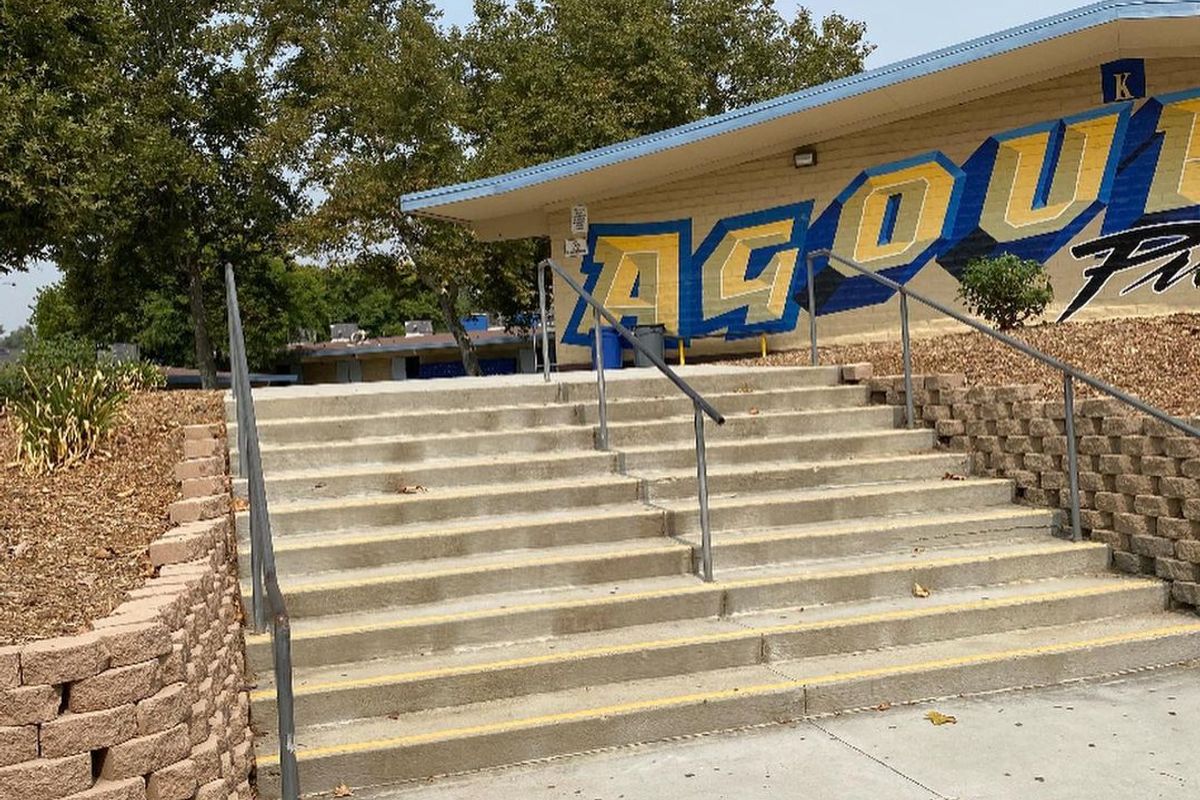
x: 957, y: 132
x: 1138, y: 486
x: 152, y: 703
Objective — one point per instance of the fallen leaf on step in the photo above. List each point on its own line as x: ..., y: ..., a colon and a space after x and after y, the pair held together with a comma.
x: 884, y: 706
x: 919, y: 590
x: 950, y: 476
x: 938, y: 718
x: 417, y: 489
x: 241, y: 504
x: 754, y: 412
x: 342, y: 790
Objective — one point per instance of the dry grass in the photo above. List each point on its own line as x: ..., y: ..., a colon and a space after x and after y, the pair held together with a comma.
x: 1155, y: 358
x: 73, y: 542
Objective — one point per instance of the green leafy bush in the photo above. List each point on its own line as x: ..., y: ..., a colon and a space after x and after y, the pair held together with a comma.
x: 1006, y: 290
x: 61, y: 422
x: 46, y: 358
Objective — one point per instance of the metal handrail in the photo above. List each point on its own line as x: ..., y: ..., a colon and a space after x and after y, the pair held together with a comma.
x: 1070, y: 374
x: 267, y: 603
x: 700, y: 406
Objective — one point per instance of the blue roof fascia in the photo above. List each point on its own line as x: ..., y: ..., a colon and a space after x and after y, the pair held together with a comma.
x: 1063, y: 24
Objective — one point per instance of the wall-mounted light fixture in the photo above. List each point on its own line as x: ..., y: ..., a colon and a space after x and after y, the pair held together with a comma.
x: 804, y: 157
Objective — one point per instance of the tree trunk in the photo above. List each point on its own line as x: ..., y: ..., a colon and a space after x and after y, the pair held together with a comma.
x: 204, y: 351
x: 466, y: 348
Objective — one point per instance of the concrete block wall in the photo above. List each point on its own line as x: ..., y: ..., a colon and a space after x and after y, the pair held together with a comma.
x: 151, y: 704
x: 1139, y: 479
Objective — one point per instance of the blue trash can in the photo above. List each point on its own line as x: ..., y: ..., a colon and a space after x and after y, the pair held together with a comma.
x: 610, y: 343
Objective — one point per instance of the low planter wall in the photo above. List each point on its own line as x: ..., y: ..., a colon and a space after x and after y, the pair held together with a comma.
x: 1138, y: 488
x: 152, y: 703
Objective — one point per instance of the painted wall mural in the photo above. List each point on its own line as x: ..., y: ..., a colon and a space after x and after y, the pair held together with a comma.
x: 1029, y: 191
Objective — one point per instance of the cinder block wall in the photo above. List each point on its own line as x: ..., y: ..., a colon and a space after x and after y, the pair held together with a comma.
x: 152, y: 704
x: 1138, y: 478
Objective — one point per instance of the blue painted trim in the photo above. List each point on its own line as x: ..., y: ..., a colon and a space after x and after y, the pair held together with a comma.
x: 1064, y: 24
x: 1054, y: 145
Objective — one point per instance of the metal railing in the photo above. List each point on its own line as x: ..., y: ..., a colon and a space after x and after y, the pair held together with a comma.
x: 700, y: 407
x: 1070, y: 374
x: 267, y: 603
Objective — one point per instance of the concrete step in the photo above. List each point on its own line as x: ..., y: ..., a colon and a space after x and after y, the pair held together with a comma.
x: 730, y: 403
x: 913, y: 532
x: 419, y: 744
x: 445, y: 504
x: 370, y: 547
x: 742, y: 426
x: 425, y: 582
x: 803, y: 447
x: 754, y: 510
x: 417, y: 449
x: 781, y: 476
x: 515, y: 616
x: 707, y: 379
x: 404, y: 685
x: 388, y: 397
x: 504, y: 416
x: 359, y: 479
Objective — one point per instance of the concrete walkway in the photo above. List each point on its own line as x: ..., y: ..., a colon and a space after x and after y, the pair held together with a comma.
x: 1133, y: 738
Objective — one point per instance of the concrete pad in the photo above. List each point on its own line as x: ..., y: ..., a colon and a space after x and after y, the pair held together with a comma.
x: 1131, y: 737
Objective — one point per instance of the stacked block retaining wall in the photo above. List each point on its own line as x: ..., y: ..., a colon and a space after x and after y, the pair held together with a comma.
x: 152, y: 703
x: 1139, y: 479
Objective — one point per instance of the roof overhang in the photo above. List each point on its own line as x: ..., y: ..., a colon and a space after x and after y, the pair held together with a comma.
x: 515, y: 204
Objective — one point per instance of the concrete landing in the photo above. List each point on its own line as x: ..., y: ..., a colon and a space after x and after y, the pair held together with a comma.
x: 1131, y: 737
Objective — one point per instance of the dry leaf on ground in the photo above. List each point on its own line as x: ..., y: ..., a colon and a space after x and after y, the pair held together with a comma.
x: 919, y: 590
x: 342, y: 790
x: 938, y: 718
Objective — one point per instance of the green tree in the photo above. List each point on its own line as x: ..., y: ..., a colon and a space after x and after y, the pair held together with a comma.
x: 169, y: 189
x: 550, y: 79
x: 368, y: 96
x: 60, y: 96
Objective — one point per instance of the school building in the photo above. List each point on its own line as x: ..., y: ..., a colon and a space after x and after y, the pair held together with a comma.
x: 1072, y: 140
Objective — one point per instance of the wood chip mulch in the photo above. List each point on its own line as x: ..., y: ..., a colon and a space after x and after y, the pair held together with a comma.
x: 73, y: 542
x: 1154, y: 358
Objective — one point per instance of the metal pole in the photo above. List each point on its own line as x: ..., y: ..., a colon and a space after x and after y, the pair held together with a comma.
x: 541, y: 270
x: 812, y: 312
x: 289, y: 773
x: 706, y: 559
x: 603, y: 441
x: 909, y: 414
x: 1072, y: 454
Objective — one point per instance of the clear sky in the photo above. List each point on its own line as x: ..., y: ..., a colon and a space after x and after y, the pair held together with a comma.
x: 900, y: 29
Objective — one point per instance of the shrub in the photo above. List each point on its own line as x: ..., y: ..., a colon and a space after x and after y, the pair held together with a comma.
x: 1006, y: 290
x: 45, y: 359
x: 62, y: 421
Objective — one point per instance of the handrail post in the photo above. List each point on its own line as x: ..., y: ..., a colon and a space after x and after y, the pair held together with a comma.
x: 706, y: 559
x: 812, y: 312
x: 1072, y: 454
x: 909, y: 414
x: 541, y: 274
x: 600, y: 388
x: 285, y: 709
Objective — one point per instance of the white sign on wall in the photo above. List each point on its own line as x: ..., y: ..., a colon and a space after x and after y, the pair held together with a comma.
x: 579, y: 220
x: 575, y: 248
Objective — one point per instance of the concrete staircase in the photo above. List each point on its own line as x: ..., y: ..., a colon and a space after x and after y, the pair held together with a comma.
x: 472, y: 584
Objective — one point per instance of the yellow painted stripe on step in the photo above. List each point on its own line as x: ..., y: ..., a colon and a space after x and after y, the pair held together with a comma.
x: 691, y: 589
x: 748, y: 691
x: 715, y: 638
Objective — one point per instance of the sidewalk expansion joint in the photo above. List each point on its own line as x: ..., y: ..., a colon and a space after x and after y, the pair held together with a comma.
x: 877, y: 760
